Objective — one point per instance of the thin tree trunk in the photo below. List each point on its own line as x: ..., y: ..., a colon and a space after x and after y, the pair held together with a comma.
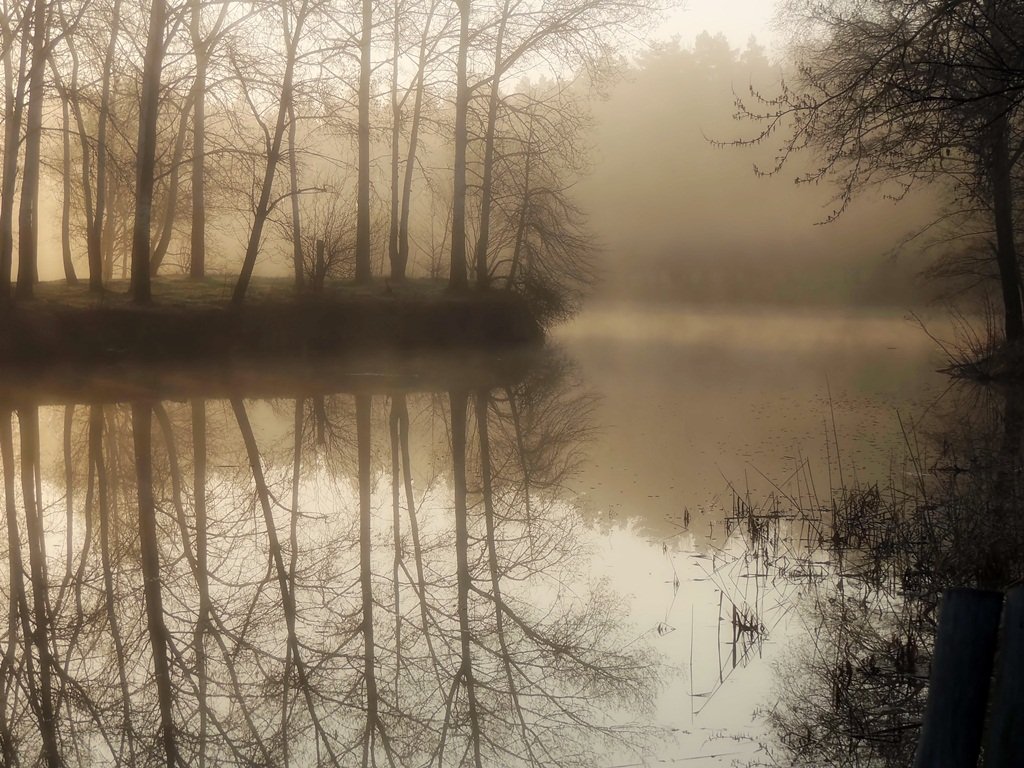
x: 17, y: 608
x: 414, y: 130
x: 524, y: 213
x: 1006, y: 251
x: 171, y: 203
x: 94, y: 235
x: 293, y: 541
x: 288, y: 603
x: 98, y: 464
x: 197, y: 259
x: 397, y: 268
x: 202, y: 566
x: 483, y: 276
x: 363, y: 405
x: 394, y: 418
x: 458, y: 277
x: 363, y: 269
x: 65, y: 217
x: 486, y: 489
x: 402, y: 408
x: 458, y: 402
x: 28, y: 420
x: 84, y: 147
x: 293, y: 172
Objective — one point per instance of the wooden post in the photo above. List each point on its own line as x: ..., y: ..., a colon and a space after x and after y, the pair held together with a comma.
x: 1004, y: 742
x: 961, y: 669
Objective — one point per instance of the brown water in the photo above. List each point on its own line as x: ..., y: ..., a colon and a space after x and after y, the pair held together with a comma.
x: 495, y: 560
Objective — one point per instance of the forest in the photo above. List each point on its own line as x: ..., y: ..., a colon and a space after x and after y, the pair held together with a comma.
x: 339, y: 140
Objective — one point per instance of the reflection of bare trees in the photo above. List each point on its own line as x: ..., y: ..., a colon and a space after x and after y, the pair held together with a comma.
x: 853, y: 693
x: 270, y: 603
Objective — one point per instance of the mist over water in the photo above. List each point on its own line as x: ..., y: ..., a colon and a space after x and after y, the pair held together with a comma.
x: 683, y: 218
x: 603, y: 491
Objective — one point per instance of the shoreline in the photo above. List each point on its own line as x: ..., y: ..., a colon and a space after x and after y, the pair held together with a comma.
x: 194, y: 320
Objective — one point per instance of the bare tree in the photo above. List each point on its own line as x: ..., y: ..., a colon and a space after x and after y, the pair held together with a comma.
x: 292, y: 30
x: 203, y: 45
x: 895, y: 94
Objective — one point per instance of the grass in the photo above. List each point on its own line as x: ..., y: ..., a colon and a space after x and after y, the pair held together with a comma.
x: 979, y: 350
x: 181, y: 292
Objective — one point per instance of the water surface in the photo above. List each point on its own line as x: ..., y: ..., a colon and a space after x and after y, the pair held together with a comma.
x: 513, y: 559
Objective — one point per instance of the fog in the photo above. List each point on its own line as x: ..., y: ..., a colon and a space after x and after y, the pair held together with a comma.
x: 491, y: 380
x: 682, y: 215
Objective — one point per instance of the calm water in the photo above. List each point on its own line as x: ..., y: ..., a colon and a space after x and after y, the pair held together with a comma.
x: 541, y: 559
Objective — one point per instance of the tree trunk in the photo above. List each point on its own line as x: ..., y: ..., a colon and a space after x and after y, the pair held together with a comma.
x: 14, y: 95
x: 1006, y: 251
x: 71, y: 101
x: 363, y: 271
x: 171, y: 202
x: 98, y: 463
x: 197, y: 258
x: 414, y: 131
x: 394, y: 255
x: 28, y: 214
x: 363, y: 407
x: 524, y: 214
x: 293, y: 172
x: 458, y: 402
x: 94, y: 235
x: 65, y: 213
x: 28, y: 419
x: 458, y: 278
x: 202, y: 567
x: 17, y: 602
x: 146, y: 163
x: 483, y: 275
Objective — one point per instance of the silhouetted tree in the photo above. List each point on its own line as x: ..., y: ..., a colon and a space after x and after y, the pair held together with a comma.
x: 892, y: 94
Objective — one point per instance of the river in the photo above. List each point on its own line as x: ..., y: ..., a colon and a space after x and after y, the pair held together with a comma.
x: 604, y: 553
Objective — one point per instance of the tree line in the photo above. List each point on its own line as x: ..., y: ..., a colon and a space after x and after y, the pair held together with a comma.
x: 347, y: 133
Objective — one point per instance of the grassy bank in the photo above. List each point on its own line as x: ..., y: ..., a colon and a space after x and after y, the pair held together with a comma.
x: 194, y: 319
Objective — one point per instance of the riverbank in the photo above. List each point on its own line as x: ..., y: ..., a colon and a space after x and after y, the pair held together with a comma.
x: 195, y: 320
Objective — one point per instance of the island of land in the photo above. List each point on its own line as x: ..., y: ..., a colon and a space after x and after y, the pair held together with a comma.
x: 196, y: 319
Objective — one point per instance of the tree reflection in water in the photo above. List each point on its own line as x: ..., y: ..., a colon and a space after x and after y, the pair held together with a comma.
x: 383, y: 576
x: 852, y: 692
